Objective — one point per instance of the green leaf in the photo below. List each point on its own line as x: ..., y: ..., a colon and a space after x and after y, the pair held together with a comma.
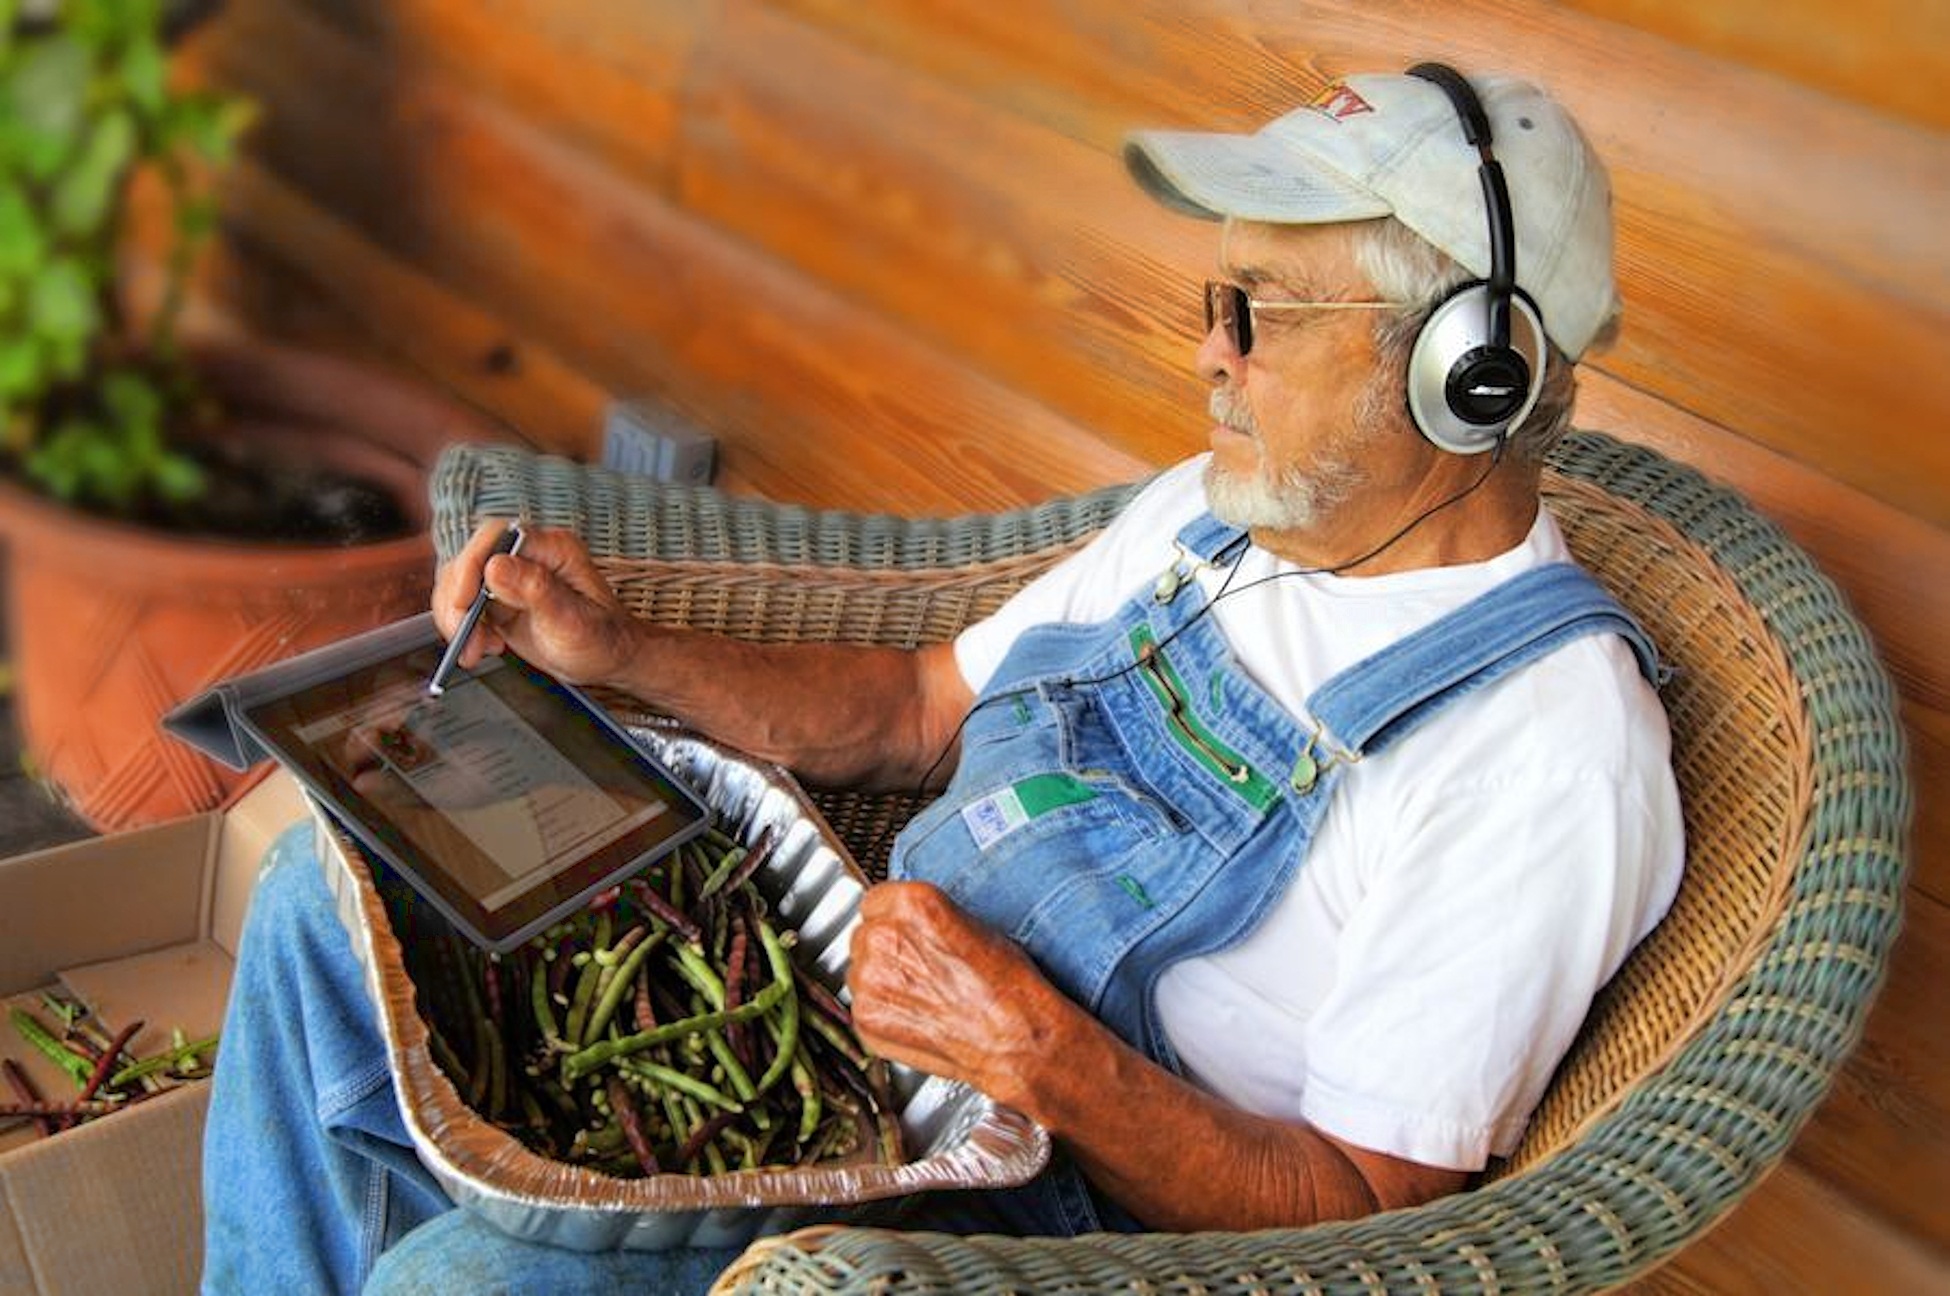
x: 106, y: 471
x: 178, y: 478
x: 61, y: 302
x: 105, y: 23
x: 48, y: 90
x: 210, y: 125
x: 26, y: 152
x: 22, y: 242
x: 85, y: 193
x: 145, y: 71
x: 20, y: 367
x: 65, y: 358
x: 135, y: 405
x: 57, y: 464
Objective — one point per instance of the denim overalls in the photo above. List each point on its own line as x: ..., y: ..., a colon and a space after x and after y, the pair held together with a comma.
x: 1127, y: 797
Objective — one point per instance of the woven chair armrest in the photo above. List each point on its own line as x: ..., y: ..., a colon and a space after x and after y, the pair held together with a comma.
x: 624, y: 516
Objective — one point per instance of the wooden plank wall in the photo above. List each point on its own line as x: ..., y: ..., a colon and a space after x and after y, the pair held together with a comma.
x: 886, y: 252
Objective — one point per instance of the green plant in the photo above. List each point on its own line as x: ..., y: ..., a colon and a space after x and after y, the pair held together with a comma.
x: 87, y: 398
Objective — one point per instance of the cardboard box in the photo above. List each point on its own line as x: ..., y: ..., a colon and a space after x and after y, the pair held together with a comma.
x: 143, y: 925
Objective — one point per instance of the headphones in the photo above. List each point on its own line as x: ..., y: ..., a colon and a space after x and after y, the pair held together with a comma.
x: 1478, y: 363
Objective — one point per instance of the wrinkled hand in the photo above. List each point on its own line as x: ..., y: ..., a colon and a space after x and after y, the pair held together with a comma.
x: 550, y: 605
x: 937, y: 990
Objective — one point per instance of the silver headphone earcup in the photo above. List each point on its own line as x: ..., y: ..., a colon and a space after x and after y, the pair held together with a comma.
x: 1455, y: 329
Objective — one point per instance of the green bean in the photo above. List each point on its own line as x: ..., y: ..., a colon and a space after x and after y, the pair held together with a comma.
x: 809, y: 1104
x: 737, y: 1077
x: 595, y: 1055
x: 31, y: 1030
x: 619, y: 985
x: 162, y: 1061
x: 692, y: 967
x: 842, y: 1043
x: 544, y: 1011
x: 722, y: 873
x: 681, y: 1127
x: 681, y: 1082
x: 788, y: 1018
x: 497, y: 1070
x: 579, y: 1006
x: 531, y: 1110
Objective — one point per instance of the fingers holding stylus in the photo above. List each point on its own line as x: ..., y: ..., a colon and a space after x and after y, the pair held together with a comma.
x: 455, y: 586
x: 549, y: 603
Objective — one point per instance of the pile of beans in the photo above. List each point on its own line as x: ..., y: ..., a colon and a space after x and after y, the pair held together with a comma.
x: 664, y: 1030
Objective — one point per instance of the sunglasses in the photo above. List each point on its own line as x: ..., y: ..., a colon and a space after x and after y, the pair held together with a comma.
x: 1227, y: 305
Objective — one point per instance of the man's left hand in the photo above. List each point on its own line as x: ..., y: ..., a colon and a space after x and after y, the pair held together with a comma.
x: 937, y: 990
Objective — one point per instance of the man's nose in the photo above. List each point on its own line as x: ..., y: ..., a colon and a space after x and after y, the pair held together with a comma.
x: 1217, y: 359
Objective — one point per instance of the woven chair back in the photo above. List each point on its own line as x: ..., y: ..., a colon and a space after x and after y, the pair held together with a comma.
x: 1741, y: 753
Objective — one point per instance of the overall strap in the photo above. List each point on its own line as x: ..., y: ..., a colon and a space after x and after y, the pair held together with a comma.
x: 1202, y: 542
x: 1211, y: 541
x: 1377, y: 700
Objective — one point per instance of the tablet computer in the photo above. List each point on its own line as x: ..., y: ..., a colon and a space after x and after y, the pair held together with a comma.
x: 507, y: 802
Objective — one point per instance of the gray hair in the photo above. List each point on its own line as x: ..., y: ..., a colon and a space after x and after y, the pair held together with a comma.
x: 1405, y: 267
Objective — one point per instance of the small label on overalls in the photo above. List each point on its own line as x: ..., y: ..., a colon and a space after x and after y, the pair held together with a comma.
x: 998, y: 814
x: 994, y: 817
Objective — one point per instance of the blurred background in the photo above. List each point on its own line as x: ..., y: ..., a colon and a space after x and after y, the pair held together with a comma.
x: 883, y: 256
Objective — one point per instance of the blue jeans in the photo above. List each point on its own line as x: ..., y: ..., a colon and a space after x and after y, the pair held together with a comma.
x: 310, y: 1181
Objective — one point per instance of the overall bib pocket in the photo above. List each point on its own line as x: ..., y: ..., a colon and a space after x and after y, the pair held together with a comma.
x: 999, y: 849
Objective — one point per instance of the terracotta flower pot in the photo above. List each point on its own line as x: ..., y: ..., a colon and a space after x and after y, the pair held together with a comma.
x: 114, y: 624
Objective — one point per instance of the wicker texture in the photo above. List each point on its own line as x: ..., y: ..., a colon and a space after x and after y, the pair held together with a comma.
x: 1702, y: 1058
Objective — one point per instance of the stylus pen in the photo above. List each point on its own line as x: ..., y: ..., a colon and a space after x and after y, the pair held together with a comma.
x: 509, y: 543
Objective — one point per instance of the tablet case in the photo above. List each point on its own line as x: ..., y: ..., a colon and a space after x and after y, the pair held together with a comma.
x: 215, y: 721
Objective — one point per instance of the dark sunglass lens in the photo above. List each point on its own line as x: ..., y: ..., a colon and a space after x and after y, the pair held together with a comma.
x: 1226, y: 305
x: 1241, y: 331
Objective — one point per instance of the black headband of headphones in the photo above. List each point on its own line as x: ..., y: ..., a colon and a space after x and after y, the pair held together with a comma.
x: 1502, y: 282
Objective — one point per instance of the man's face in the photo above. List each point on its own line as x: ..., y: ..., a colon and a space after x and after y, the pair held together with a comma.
x: 1309, y: 422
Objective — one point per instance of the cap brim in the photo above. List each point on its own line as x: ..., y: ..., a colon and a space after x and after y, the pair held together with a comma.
x: 1251, y: 177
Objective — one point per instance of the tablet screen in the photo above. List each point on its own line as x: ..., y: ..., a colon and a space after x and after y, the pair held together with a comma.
x: 508, y: 800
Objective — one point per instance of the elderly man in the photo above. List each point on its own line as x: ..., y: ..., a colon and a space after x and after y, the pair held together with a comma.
x: 1293, y: 824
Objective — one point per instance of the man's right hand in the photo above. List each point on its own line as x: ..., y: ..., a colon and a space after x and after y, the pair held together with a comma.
x: 837, y: 714
x: 550, y: 605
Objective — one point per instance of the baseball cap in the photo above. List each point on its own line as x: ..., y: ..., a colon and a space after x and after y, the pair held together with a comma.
x: 1392, y: 144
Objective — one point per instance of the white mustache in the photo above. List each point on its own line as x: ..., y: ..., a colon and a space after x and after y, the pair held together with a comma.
x: 1226, y: 407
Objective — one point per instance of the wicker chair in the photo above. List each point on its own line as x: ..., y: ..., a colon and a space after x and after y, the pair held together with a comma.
x: 1701, y: 1060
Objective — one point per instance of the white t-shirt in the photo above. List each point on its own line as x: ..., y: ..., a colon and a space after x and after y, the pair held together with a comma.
x: 1469, y: 889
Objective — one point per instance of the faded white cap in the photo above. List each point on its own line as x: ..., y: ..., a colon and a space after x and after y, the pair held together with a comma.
x: 1382, y: 144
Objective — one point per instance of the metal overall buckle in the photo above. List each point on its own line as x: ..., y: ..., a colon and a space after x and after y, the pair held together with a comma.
x: 1313, y: 762
x: 1179, y: 574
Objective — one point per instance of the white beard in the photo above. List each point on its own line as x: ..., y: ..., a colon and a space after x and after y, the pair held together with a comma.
x: 1288, y: 498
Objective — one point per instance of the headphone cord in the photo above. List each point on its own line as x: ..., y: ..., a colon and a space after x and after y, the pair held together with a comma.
x: 1225, y: 590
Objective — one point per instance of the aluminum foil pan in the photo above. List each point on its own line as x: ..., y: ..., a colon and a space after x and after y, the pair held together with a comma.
x: 956, y: 1137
